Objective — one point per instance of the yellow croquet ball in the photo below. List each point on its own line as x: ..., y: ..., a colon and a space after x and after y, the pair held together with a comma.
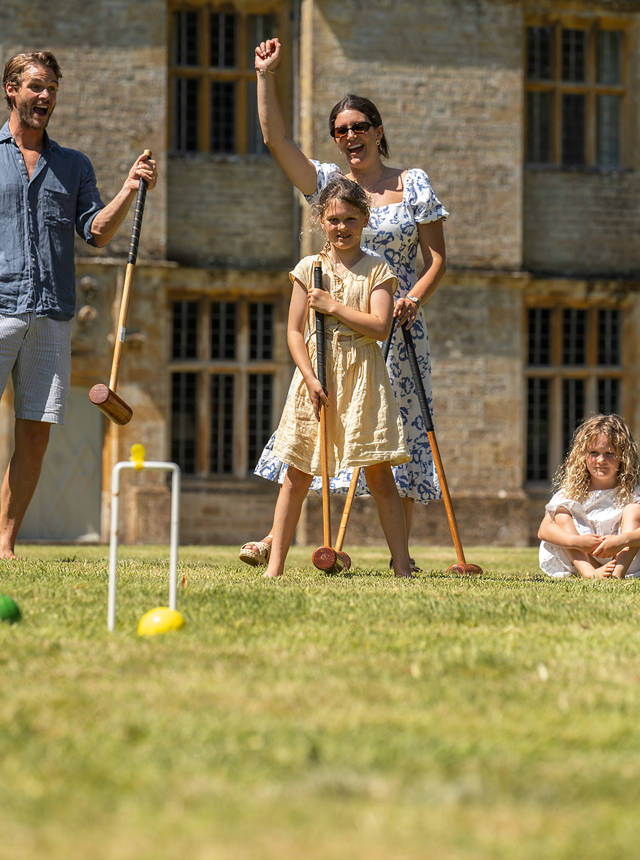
x: 160, y: 620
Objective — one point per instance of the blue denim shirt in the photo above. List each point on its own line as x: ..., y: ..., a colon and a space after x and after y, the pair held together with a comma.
x: 37, y: 220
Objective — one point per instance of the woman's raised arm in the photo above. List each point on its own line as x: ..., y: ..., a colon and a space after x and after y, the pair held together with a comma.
x: 289, y: 156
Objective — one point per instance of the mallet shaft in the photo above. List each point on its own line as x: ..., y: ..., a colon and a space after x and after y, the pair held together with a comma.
x: 428, y: 422
x: 128, y: 279
x: 322, y: 377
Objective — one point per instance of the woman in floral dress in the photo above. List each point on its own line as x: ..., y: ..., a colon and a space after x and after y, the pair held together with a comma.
x: 405, y: 215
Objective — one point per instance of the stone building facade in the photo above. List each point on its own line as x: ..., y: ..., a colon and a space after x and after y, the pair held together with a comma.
x: 525, y: 116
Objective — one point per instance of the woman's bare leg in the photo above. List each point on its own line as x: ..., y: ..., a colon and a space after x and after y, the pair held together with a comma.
x: 407, y: 506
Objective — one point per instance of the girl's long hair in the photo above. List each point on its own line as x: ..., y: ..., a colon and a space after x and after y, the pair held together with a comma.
x: 572, y: 476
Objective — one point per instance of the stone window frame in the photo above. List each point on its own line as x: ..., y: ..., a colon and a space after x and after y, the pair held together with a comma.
x: 241, y: 367
x: 242, y: 76
x: 556, y: 374
x: 557, y: 88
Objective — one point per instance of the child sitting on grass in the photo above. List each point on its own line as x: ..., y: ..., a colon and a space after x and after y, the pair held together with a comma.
x: 592, y: 524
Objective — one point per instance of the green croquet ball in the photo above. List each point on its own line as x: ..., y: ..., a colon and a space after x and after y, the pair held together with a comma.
x: 160, y: 620
x: 9, y: 609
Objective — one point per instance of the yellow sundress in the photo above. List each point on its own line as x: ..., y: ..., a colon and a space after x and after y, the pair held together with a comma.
x: 364, y: 426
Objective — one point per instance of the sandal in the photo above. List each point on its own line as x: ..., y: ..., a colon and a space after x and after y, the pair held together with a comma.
x: 414, y: 566
x: 255, y: 553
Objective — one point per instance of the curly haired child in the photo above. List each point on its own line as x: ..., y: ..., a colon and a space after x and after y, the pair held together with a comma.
x: 592, y: 523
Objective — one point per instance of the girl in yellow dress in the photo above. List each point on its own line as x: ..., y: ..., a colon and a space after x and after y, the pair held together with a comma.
x: 364, y: 427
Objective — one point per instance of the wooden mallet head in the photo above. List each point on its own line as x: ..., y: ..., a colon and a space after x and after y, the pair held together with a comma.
x: 330, y: 560
x: 110, y: 404
x: 465, y: 569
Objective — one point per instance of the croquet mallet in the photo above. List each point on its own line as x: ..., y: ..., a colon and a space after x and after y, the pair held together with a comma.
x: 461, y: 567
x: 101, y: 395
x: 324, y: 557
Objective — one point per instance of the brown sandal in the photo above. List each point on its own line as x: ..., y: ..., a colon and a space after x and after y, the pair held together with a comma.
x: 256, y: 553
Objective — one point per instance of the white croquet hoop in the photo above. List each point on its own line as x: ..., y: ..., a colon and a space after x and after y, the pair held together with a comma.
x: 113, y: 542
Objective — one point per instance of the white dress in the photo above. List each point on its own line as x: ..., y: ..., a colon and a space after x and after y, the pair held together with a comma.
x: 599, y: 514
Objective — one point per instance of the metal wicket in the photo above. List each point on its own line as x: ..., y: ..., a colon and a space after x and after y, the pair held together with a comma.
x: 113, y: 543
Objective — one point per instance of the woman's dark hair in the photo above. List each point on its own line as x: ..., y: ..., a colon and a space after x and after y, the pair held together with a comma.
x: 365, y: 106
x: 341, y: 188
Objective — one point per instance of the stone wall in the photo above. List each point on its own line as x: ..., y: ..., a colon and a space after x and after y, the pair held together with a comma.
x: 447, y: 80
x: 230, y: 211
x: 112, y: 100
x: 579, y: 223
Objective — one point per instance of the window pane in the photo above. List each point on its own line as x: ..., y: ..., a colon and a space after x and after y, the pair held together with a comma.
x: 183, y: 420
x: 572, y: 409
x: 537, y: 429
x: 573, y: 129
x: 184, y: 330
x: 185, y: 115
x: 608, y: 396
x: 608, y: 120
x: 223, y: 40
x: 539, y: 42
x: 223, y: 330
x: 260, y: 407
x: 259, y: 28
x: 574, y: 336
x: 539, y: 107
x: 221, y: 447
x: 609, y: 49
x: 261, y: 330
x: 255, y: 141
x: 223, y: 132
x: 573, y: 55
x: 539, y: 336
x: 184, y: 47
x: 609, y: 336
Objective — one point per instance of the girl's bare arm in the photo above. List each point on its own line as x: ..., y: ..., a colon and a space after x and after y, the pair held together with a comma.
x: 612, y: 544
x: 298, y: 348
x: 562, y: 532
x: 374, y: 323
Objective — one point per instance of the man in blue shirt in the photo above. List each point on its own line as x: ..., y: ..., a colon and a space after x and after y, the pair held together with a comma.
x: 46, y: 191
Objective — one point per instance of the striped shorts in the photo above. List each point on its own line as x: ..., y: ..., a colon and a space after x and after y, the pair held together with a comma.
x: 37, y: 353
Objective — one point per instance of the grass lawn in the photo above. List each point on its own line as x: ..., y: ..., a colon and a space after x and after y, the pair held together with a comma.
x: 319, y: 716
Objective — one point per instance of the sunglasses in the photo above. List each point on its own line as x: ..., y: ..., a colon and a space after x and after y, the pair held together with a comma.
x: 357, y: 128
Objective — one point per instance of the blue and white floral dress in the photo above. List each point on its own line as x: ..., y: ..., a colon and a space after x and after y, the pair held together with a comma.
x: 392, y: 232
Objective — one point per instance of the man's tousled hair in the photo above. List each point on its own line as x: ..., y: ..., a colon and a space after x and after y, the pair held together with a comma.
x: 15, y: 66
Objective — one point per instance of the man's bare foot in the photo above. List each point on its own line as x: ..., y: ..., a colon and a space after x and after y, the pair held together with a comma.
x: 271, y: 574
x: 7, y: 554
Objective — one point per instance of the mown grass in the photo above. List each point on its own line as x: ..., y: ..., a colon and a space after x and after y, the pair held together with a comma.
x: 318, y: 716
